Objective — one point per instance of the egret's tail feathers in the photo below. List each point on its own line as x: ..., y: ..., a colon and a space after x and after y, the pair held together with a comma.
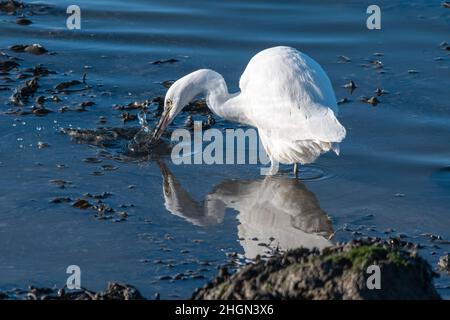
x: 300, y: 151
x: 336, y: 148
x: 326, y: 127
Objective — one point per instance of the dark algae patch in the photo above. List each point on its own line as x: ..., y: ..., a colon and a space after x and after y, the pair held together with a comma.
x: 360, y: 257
x: 113, y: 291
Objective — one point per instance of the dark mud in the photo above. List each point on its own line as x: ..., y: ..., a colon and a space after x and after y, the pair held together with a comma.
x: 113, y: 291
x: 337, y: 272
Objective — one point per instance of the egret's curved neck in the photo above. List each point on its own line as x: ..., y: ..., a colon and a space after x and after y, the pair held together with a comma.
x: 212, y: 85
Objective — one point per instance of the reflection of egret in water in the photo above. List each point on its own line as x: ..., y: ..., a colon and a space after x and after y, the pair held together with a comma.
x: 275, y: 211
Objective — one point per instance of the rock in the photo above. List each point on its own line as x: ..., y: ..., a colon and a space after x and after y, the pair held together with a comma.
x: 42, y: 145
x: 380, y: 92
x: 39, y: 71
x: 30, y: 48
x: 443, y: 263
x: 372, y: 100
x: 40, y: 111
x: 126, y: 116
x: 351, y: 86
x: 8, y: 65
x: 344, y: 59
x: 118, y: 291
x: 114, y: 291
x: 337, y: 272
x: 60, y: 200
x: 81, y: 204
x: 23, y: 21
x: 343, y: 100
x: 165, y: 61
x: 64, y: 85
x: 10, y: 6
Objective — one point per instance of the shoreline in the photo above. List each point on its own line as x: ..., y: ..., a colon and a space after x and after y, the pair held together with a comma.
x: 334, y: 273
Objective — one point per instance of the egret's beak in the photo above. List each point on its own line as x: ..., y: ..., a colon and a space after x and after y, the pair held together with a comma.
x: 161, y: 126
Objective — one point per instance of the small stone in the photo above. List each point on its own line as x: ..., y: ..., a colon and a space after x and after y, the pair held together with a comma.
x: 42, y: 145
x: 23, y: 21
x: 81, y: 204
x: 380, y: 92
x: 60, y: 183
x: 344, y: 59
x: 343, y: 100
x: 92, y: 160
x: 61, y: 200
x: 372, y: 101
x: 350, y: 85
x: 164, y: 61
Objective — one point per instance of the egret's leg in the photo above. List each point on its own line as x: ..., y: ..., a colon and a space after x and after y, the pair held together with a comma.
x: 296, y: 169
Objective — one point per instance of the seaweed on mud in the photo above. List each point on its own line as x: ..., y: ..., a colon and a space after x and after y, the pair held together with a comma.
x: 131, y: 142
x: 337, y: 272
x: 34, y: 48
x: 8, y: 65
x: 372, y: 100
x: 24, y: 92
x: 23, y: 21
x: 67, y: 84
x: 172, y: 60
x: 11, y: 6
x: 113, y: 291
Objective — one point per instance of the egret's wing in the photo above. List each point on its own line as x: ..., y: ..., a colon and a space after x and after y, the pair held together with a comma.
x: 288, y: 95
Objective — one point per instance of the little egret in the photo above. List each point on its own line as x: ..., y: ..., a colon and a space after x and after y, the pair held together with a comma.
x: 285, y: 94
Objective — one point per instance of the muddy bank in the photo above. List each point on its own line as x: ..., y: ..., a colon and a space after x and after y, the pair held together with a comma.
x: 338, y: 272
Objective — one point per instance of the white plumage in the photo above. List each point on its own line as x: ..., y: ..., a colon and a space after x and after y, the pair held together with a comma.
x: 285, y: 94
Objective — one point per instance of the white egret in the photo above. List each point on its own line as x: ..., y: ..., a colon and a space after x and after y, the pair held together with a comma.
x: 285, y: 94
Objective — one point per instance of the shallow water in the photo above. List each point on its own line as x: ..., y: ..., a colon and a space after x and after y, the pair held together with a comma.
x: 393, y: 172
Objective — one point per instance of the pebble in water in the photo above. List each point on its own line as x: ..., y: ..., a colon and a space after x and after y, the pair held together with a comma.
x: 351, y: 86
x: 35, y: 48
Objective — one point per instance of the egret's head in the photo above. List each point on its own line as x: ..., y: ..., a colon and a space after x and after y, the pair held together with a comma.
x: 183, y: 91
x: 174, y: 102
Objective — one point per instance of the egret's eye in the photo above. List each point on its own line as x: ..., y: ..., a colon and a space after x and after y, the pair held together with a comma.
x: 169, y: 104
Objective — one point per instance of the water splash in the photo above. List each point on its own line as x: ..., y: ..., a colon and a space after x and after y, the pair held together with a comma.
x: 141, y: 142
